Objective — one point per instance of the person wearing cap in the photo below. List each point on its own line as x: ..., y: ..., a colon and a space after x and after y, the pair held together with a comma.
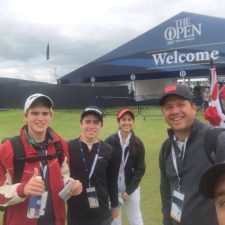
x: 130, y: 154
x: 183, y: 158
x: 43, y: 173
x: 205, y: 98
x: 212, y: 186
x: 93, y: 163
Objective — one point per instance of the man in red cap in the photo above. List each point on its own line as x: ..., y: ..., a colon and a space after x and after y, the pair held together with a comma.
x: 183, y: 158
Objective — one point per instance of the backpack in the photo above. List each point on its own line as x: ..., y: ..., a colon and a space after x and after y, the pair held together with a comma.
x: 20, y: 159
x: 210, y: 142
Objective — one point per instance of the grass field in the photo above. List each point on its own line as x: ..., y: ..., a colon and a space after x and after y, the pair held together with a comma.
x: 151, y: 130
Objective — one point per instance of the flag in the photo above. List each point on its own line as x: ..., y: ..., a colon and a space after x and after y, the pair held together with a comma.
x: 214, y: 113
x: 47, y: 52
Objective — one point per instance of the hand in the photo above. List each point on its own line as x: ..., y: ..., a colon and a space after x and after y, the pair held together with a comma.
x: 125, y: 196
x: 34, y: 186
x: 77, y: 188
x: 115, y: 212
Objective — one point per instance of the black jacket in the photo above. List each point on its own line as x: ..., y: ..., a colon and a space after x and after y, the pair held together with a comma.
x: 135, y: 166
x: 104, y: 179
x: 197, y: 210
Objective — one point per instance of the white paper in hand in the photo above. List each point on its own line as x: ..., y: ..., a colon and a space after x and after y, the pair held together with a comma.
x: 65, y: 193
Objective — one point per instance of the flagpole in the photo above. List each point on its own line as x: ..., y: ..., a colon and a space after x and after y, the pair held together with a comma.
x: 47, y: 51
x: 50, y: 66
x: 211, y: 63
x: 210, y: 76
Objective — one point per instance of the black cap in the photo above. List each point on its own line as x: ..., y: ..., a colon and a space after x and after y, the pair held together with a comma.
x: 209, y: 178
x: 175, y: 89
x: 92, y: 110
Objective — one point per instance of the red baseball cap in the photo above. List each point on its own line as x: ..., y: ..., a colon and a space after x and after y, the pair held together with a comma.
x: 175, y: 89
x: 123, y: 111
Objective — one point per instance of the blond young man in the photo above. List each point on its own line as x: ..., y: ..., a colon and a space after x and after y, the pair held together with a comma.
x: 43, y: 173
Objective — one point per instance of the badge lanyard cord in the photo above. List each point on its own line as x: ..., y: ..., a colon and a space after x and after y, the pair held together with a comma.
x: 124, y: 159
x: 179, y: 175
x: 93, y: 164
x: 44, y: 167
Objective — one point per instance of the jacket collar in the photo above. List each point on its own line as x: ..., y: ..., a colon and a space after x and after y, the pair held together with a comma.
x: 194, y: 129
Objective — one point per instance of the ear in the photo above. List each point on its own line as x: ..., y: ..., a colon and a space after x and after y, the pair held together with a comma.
x: 25, y: 115
x: 163, y: 112
x: 194, y: 107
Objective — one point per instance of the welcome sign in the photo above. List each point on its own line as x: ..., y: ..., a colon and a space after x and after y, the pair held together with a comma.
x: 186, y: 41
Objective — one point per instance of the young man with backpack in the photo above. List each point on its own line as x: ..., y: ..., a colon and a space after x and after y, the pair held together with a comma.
x: 184, y: 157
x: 35, y: 164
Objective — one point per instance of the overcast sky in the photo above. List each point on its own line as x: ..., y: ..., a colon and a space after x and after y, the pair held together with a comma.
x: 78, y: 31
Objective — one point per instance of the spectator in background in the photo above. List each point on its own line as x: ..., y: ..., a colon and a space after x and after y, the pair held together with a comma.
x: 205, y: 98
x: 197, y: 95
x: 130, y: 154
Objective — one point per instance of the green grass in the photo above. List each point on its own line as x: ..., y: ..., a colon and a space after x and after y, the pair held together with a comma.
x: 152, y: 131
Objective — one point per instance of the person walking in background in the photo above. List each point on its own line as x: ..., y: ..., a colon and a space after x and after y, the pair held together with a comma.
x: 130, y: 154
x: 183, y: 159
x: 205, y: 98
x: 43, y: 166
x: 93, y: 163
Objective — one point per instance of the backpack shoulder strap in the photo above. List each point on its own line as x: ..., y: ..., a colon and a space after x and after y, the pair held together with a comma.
x: 19, y: 158
x: 73, y: 144
x: 211, y: 137
x: 58, y: 148
x: 166, y: 147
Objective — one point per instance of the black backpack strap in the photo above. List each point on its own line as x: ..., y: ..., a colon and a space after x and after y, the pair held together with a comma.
x: 20, y: 159
x: 19, y: 156
x: 73, y: 144
x: 211, y: 137
x: 59, y: 152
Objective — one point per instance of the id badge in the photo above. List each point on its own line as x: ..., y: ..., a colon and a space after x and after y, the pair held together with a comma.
x: 92, y: 197
x: 177, y: 205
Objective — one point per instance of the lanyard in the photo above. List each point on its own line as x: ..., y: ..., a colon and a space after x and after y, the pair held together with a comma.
x: 85, y: 162
x: 179, y: 174
x: 43, y: 150
x: 124, y: 159
x: 124, y: 146
x: 43, y: 170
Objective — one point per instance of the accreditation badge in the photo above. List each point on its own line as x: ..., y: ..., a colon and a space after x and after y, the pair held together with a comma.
x: 177, y: 205
x: 92, y: 197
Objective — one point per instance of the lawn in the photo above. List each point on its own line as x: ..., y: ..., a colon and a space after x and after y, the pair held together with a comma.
x: 151, y: 130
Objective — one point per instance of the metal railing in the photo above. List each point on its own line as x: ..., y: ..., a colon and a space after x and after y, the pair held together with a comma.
x: 145, y: 106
